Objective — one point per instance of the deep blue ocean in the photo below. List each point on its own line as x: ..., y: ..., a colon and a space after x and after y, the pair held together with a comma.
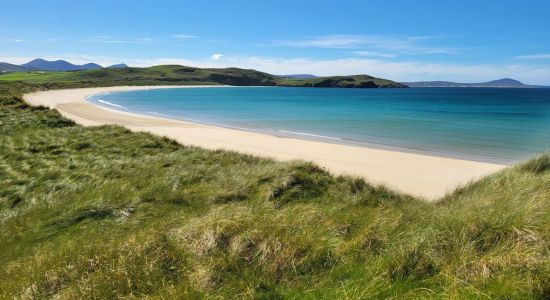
x: 484, y: 124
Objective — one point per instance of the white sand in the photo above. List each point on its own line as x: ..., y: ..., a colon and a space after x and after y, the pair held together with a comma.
x: 420, y: 175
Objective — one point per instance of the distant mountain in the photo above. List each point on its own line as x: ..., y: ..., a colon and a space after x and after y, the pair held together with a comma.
x: 40, y: 64
x: 508, y: 82
x: 5, y: 67
x: 90, y: 66
x: 118, y: 66
x: 58, y: 65
x: 500, y: 83
x: 298, y: 76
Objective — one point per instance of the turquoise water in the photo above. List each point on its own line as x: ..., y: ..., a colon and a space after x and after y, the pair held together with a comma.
x: 485, y: 124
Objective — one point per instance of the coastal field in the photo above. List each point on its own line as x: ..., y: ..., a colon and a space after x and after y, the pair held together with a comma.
x: 103, y: 212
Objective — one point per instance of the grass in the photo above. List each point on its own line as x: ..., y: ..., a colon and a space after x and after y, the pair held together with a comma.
x: 100, y: 212
x: 356, y: 81
x: 35, y: 76
x: 173, y: 74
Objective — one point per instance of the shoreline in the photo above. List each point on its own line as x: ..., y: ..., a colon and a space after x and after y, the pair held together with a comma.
x: 305, y: 135
x: 421, y: 175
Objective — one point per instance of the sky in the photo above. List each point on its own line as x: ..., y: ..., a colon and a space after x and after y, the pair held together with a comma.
x: 466, y: 41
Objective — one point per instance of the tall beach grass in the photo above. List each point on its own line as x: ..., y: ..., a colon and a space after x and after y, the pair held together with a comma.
x: 102, y: 212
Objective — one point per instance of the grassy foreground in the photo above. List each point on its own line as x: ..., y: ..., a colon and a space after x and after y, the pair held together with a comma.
x: 104, y: 213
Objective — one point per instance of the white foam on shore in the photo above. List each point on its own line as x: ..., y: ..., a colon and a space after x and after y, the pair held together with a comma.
x: 154, y: 113
x: 310, y: 134
x: 111, y: 104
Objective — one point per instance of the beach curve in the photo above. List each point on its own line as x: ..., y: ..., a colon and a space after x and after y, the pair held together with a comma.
x: 421, y: 175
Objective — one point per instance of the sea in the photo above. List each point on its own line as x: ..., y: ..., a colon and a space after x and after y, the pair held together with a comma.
x: 498, y: 125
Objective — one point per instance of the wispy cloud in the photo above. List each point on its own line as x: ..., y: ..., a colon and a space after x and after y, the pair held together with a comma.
x: 144, y: 39
x: 534, y: 56
x: 184, y: 36
x: 21, y: 40
x: 373, y: 54
x: 329, y: 41
x: 113, y: 40
x: 105, y: 39
x: 7, y: 40
x: 374, y: 43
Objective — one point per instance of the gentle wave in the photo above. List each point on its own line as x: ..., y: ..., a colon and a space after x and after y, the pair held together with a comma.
x: 310, y: 134
x: 111, y: 104
x: 154, y: 113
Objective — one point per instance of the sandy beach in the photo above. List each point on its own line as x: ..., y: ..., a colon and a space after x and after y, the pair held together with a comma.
x: 419, y: 175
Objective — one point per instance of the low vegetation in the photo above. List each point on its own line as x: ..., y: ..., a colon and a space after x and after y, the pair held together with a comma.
x: 101, y: 212
x: 356, y: 81
x: 173, y: 74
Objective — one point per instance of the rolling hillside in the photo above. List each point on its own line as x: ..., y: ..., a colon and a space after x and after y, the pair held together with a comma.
x: 174, y: 74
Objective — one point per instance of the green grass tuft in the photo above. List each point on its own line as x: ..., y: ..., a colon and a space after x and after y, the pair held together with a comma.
x: 537, y: 165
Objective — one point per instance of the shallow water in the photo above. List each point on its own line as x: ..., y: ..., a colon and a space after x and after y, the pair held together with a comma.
x: 484, y: 124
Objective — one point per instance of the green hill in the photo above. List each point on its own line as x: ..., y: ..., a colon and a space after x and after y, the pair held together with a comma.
x: 101, y: 212
x: 355, y: 81
x: 173, y: 74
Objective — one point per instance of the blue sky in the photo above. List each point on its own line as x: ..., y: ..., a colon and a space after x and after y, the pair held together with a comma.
x: 401, y: 40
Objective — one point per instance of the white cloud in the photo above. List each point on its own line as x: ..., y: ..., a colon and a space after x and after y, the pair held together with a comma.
x: 113, y: 40
x: 373, y: 54
x: 374, y: 43
x: 106, y: 39
x: 534, y: 56
x: 184, y: 36
x: 216, y: 56
x: 329, y: 41
x: 11, y: 40
x: 144, y: 39
x: 15, y: 59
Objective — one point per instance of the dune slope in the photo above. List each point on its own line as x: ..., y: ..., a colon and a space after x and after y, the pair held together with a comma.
x: 101, y: 212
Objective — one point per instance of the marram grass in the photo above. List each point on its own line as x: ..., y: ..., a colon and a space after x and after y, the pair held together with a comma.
x: 102, y: 212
